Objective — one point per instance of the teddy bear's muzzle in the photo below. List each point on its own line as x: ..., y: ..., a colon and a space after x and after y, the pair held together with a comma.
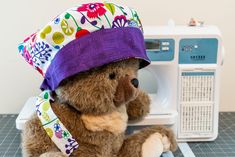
x: 126, y: 90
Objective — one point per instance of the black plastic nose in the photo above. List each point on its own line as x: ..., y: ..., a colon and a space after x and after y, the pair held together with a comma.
x: 135, y: 82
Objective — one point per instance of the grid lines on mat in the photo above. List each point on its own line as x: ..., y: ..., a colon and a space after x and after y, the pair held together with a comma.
x: 9, y: 137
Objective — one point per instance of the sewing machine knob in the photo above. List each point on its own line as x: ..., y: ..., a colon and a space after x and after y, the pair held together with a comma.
x: 135, y: 82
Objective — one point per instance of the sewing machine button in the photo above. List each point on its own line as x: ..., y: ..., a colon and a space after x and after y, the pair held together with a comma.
x: 165, y: 48
x: 165, y: 43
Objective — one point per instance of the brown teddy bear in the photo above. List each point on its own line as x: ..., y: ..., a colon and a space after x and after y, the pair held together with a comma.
x: 91, y: 86
x: 95, y: 107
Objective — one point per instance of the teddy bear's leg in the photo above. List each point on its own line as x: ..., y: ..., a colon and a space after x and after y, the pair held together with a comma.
x: 53, y: 154
x: 150, y: 142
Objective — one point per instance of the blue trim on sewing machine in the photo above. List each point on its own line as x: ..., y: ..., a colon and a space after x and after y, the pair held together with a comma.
x: 164, y: 52
x: 198, y: 51
x: 197, y: 74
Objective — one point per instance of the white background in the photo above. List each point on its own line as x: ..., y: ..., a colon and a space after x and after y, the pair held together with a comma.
x: 19, y: 18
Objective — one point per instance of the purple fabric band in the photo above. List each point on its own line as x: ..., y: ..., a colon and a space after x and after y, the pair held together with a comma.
x: 94, y: 50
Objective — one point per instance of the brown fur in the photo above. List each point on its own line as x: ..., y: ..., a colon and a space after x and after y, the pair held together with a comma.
x: 132, y: 146
x: 139, y: 107
x: 124, y: 91
x: 92, y: 106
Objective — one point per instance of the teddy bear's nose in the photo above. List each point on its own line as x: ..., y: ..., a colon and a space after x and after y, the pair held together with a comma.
x: 135, y: 82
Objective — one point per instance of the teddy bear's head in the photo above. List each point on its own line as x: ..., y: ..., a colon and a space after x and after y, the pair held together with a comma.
x: 101, y: 90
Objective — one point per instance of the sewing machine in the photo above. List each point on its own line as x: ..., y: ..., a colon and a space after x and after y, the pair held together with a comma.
x: 183, y: 80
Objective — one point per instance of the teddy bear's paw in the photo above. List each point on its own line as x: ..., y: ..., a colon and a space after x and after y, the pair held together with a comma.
x: 153, y: 146
x: 158, y: 143
x: 168, y: 139
x: 166, y: 143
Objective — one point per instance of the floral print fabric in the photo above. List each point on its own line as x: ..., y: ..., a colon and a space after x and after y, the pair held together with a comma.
x: 53, y: 126
x: 40, y: 48
x: 94, y: 10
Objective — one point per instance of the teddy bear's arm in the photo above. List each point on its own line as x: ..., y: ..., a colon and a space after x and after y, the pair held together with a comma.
x: 148, y: 142
x: 139, y: 107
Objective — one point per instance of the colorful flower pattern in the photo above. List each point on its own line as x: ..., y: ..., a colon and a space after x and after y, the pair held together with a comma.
x: 40, y: 48
x: 93, y: 10
x: 53, y: 126
x: 120, y: 21
x: 66, y: 28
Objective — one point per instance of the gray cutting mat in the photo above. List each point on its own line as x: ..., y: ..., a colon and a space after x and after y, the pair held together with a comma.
x: 9, y: 137
x: 223, y: 146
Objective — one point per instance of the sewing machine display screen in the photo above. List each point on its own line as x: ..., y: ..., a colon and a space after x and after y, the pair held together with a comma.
x: 152, y: 45
x: 160, y: 49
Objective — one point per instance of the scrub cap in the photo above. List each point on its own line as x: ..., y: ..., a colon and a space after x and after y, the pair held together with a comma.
x: 82, y: 38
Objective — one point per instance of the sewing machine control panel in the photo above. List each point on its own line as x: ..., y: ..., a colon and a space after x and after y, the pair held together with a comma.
x: 198, y: 51
x: 160, y: 49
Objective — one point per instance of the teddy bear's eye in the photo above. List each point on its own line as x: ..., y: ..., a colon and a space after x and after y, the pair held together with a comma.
x: 112, y: 76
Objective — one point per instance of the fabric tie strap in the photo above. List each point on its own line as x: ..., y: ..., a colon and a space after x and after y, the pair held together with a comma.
x: 53, y: 126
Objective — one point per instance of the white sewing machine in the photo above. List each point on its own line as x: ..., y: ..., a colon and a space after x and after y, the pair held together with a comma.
x: 182, y: 81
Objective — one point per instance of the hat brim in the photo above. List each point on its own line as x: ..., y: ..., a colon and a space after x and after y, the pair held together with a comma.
x: 94, y: 50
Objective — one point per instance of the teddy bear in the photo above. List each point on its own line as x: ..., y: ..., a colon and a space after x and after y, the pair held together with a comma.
x: 89, y: 57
